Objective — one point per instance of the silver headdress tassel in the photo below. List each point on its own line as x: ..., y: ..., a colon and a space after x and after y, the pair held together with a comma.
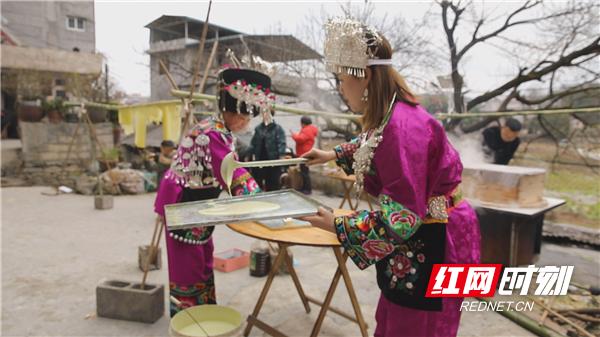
x: 255, y: 97
x: 348, y: 47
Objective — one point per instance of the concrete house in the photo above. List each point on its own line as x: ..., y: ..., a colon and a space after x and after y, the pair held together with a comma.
x: 43, y: 44
x: 48, y: 51
x: 174, y: 40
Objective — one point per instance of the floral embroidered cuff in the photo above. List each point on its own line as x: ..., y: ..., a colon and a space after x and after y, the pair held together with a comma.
x: 369, y: 237
x: 363, y: 238
x: 401, y: 222
x: 244, y: 185
x: 344, y: 154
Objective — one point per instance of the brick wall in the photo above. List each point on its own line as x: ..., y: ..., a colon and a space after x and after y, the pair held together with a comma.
x: 45, y: 147
x: 47, y: 144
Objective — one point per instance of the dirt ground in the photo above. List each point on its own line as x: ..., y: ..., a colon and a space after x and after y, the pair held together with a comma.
x: 56, y: 249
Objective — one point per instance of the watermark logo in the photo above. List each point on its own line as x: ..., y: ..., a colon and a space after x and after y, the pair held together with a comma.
x: 463, y: 280
x: 551, y: 280
x: 481, y: 280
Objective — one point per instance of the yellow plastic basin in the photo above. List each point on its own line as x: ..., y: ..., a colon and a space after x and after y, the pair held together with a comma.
x: 217, y: 320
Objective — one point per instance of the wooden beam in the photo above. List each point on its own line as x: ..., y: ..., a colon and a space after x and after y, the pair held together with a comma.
x: 213, y: 52
x: 200, y: 51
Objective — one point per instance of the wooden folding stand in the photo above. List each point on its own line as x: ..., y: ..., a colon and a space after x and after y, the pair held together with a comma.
x: 347, y: 182
x: 306, y: 236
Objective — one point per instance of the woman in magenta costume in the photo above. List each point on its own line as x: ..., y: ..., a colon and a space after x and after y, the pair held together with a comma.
x: 403, y: 158
x: 195, y: 175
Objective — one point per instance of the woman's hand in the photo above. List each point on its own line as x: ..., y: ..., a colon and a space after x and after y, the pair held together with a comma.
x: 316, y: 156
x: 324, y: 220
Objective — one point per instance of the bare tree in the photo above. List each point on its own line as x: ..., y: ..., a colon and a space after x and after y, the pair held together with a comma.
x: 561, y: 58
x: 414, y: 55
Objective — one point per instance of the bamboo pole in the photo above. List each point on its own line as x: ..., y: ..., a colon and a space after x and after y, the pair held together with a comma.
x: 593, y: 311
x: 526, y: 322
x: 562, y: 318
x: 204, y: 97
x: 153, y: 249
x: 545, y: 313
x: 179, y: 93
x: 583, y: 317
x: 94, y: 105
x: 119, y: 106
x: 518, y: 113
x: 200, y: 50
x: 185, y: 104
x: 168, y: 74
x: 211, y: 57
x: 188, y: 113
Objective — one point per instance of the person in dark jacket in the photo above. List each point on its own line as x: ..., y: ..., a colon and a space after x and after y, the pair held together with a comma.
x: 500, y: 143
x: 268, y: 143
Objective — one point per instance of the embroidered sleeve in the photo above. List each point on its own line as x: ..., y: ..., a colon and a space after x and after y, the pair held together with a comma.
x: 369, y: 237
x: 344, y: 154
x: 244, y: 184
x: 169, y: 192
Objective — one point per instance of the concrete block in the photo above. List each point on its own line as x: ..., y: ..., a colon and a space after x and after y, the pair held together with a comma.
x: 53, y: 170
x: 32, y: 158
x: 33, y: 135
x: 128, y: 301
x: 103, y: 201
x: 106, y: 139
x: 65, y: 139
x: 53, y: 147
x: 52, y: 156
x: 73, y: 168
x: 144, y: 256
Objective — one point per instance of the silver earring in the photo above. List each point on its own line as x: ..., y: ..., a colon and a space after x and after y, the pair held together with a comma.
x: 365, y: 96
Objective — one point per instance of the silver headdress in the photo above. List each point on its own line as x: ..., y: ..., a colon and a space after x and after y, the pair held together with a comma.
x: 348, y: 47
x: 254, y: 96
x: 257, y: 98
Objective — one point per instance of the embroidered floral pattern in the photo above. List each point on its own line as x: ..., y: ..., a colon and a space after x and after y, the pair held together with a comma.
x: 377, y: 249
x: 220, y: 126
x: 345, y: 155
x: 366, y: 235
x: 244, y: 185
x: 193, y: 294
x: 400, y: 219
x: 401, y: 265
x: 403, y: 268
x: 195, y: 236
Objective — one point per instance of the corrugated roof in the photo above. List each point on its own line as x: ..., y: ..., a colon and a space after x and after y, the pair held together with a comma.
x: 272, y: 48
x: 176, y: 25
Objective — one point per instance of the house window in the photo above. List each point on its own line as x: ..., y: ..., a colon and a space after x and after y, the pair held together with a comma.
x: 60, y: 93
x: 76, y: 23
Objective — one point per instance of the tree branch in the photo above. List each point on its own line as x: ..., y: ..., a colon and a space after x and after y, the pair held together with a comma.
x: 591, y: 49
x: 507, y: 24
x: 554, y: 96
